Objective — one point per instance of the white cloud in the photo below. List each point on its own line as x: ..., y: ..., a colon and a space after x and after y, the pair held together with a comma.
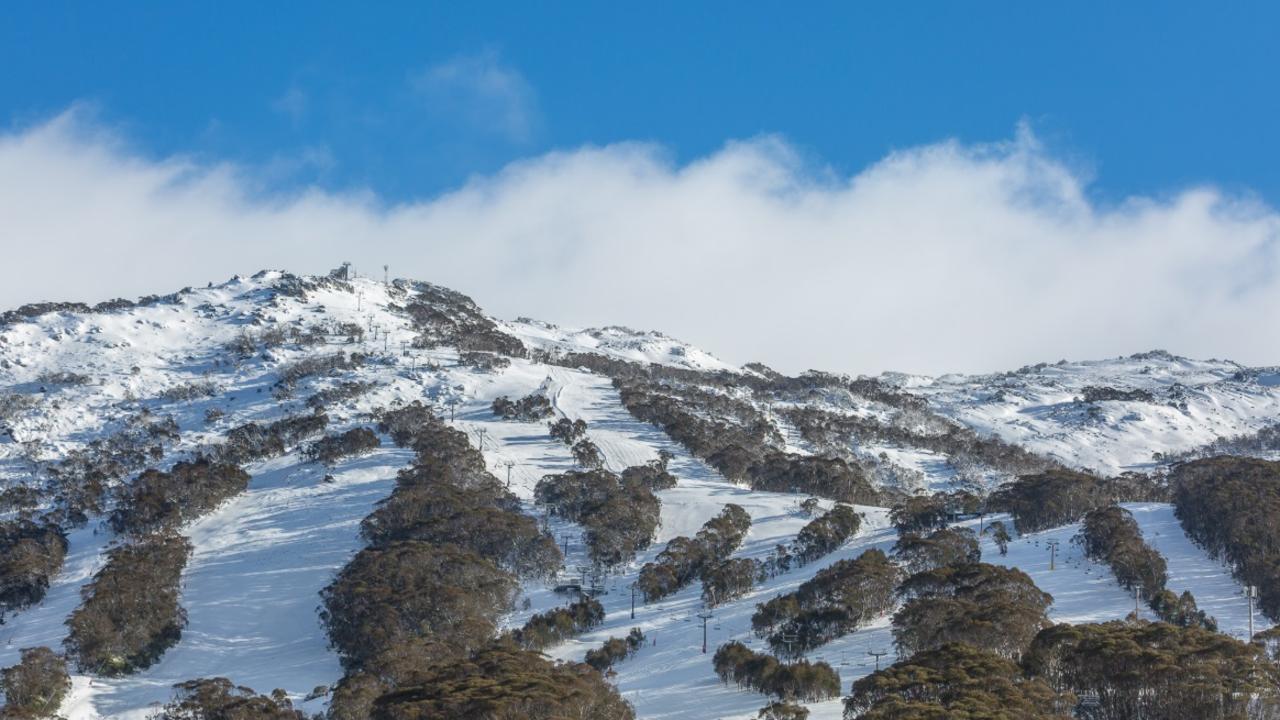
x: 480, y: 92
x: 293, y: 103
x: 945, y: 257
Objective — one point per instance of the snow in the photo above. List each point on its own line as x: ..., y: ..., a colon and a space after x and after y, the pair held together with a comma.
x: 1194, y: 403
x: 259, y: 561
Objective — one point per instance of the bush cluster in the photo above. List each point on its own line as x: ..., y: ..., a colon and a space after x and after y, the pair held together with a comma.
x: 952, y: 681
x: 312, y: 365
x: 989, y: 607
x: 35, y: 687
x: 827, y: 532
x: 615, y: 650
x: 504, y: 682
x: 729, y: 580
x: 332, y: 448
x: 1231, y: 507
x: 802, y: 680
x: 1111, y: 535
x: 836, y: 601
x: 557, y: 625
x: 252, y: 442
x: 219, y: 699
x: 619, y: 516
x: 1156, y: 670
x: 948, y: 546
x: 31, y: 553
x: 160, y: 500
x: 483, y: 361
x: 530, y: 408
x: 129, y: 614
x: 413, y: 615
x: 567, y: 431
x: 653, y: 474
x: 732, y: 436
x: 446, y: 317
x: 1061, y: 497
x: 685, y: 559
x: 342, y: 392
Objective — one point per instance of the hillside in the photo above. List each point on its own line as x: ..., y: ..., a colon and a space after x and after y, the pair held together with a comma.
x: 91, y: 397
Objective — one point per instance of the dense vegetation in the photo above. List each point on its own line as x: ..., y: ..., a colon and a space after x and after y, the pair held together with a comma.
x: 158, y: 500
x: 130, y: 613
x: 219, y: 699
x: 503, y: 682
x: 986, y: 606
x: 615, y: 650
x: 948, y: 546
x: 801, y: 680
x: 1111, y: 535
x: 35, y: 687
x: 332, y: 448
x: 251, y: 442
x: 30, y: 554
x: 835, y: 602
x: 827, y: 532
x: 530, y: 408
x: 619, y: 514
x: 414, y: 614
x: 1061, y: 497
x: 1156, y: 670
x: 685, y: 559
x: 952, y: 682
x: 559, y: 624
x: 1231, y: 507
x: 735, y: 438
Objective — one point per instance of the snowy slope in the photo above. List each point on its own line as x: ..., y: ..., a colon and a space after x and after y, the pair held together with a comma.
x: 260, y: 559
x: 1175, y: 404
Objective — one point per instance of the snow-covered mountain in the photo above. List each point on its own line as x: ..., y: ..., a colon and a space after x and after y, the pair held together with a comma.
x: 215, y: 358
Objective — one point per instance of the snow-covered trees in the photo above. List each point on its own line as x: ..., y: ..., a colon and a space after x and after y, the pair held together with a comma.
x: 530, y: 408
x: 331, y: 448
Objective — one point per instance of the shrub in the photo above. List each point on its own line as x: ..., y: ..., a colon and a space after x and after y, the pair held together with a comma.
x: 35, y: 687
x: 299, y: 370
x: 685, y: 559
x: 615, y: 650
x: 619, y: 516
x: 802, y: 680
x: 827, y: 532
x: 129, y: 614
x: 729, y: 580
x: 342, y: 392
x: 251, y: 442
x: 187, y: 392
x: 653, y: 474
x: 332, y: 448
x: 987, y: 606
x: 1061, y: 497
x: 219, y: 699
x: 952, y: 681
x: 30, y: 554
x: 554, y: 626
x: 1231, y: 507
x: 1111, y: 535
x: 483, y: 361
x: 836, y: 601
x: 566, y: 431
x: 1156, y: 670
x: 503, y: 682
x: 783, y: 711
x: 161, y: 501
x: 587, y: 455
x: 409, y: 590
x: 529, y: 408
x: 948, y: 546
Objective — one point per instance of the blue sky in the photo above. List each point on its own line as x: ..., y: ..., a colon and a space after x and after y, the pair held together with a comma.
x: 410, y: 99
x: 923, y: 187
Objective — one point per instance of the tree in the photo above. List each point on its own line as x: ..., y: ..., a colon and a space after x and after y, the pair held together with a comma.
x: 35, y: 686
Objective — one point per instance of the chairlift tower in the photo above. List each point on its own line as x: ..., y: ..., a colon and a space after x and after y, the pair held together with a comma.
x: 704, y: 616
x: 877, y: 654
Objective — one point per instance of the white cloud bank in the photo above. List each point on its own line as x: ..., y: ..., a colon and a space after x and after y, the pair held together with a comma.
x: 942, y: 258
